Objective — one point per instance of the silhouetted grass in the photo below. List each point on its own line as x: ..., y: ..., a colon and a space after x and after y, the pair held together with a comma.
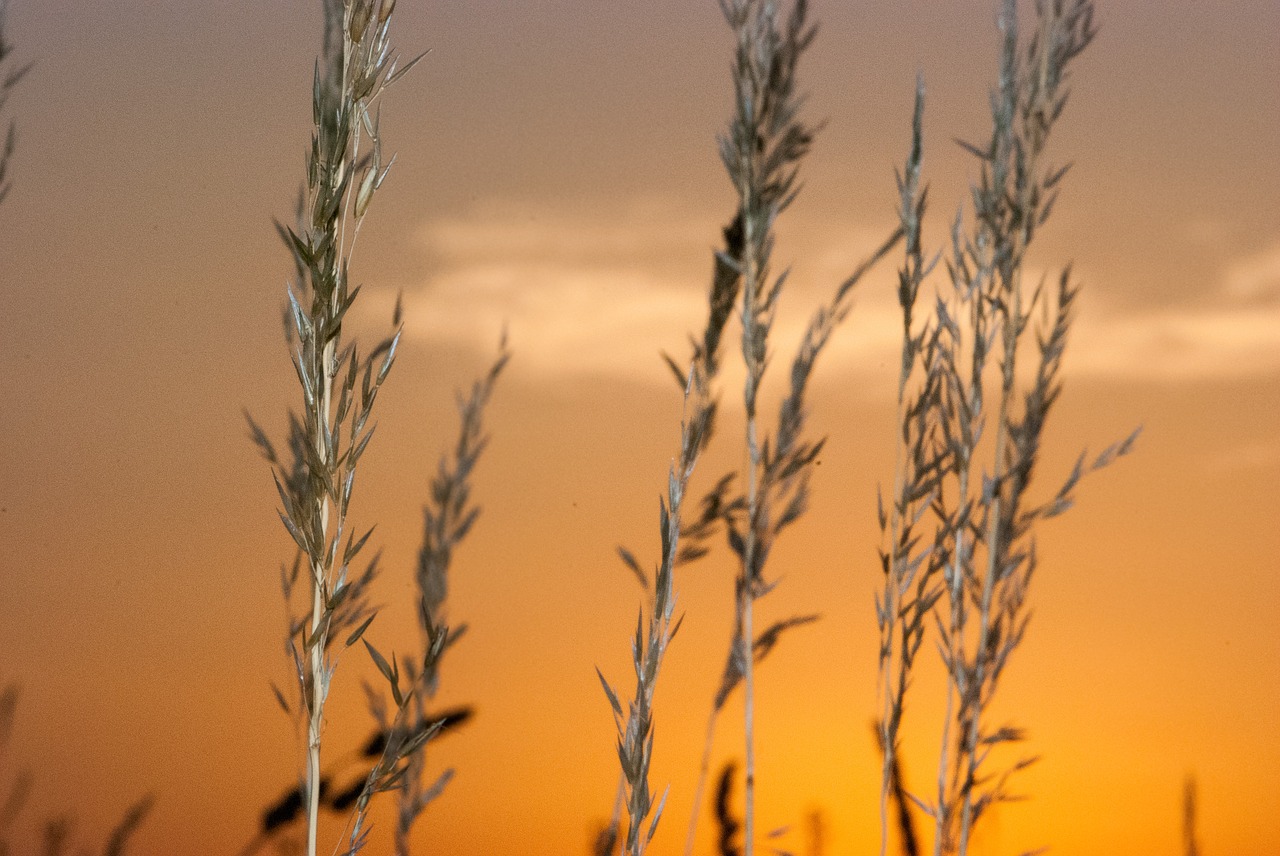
x: 973, y: 572
x: 762, y: 151
x: 56, y: 833
x: 9, y: 77
x: 447, y: 518
x: 1190, y: 842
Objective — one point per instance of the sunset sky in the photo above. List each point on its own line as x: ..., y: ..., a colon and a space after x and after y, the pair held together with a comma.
x: 557, y: 174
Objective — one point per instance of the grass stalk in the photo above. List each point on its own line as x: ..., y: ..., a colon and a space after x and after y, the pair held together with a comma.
x: 983, y: 546
x: 761, y: 152
x: 704, y: 770
x: 1190, y: 841
x: 1012, y: 201
x: 910, y: 571
x: 649, y: 646
x: 338, y: 386
x: 909, y: 839
x: 447, y: 519
x: 681, y: 542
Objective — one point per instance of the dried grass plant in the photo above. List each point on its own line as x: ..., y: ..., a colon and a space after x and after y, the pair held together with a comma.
x: 958, y: 538
x: 970, y: 578
x: 958, y: 547
x: 762, y: 151
x: 654, y: 632
x: 56, y: 833
x: 339, y: 386
x: 447, y: 518
x: 315, y: 479
x: 9, y: 77
x: 20, y: 789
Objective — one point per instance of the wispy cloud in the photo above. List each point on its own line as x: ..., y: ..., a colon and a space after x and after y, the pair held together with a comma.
x: 580, y: 294
x: 590, y: 295
x: 639, y: 229
x: 1178, y: 345
x: 563, y: 318
x: 1232, y: 333
x: 604, y: 293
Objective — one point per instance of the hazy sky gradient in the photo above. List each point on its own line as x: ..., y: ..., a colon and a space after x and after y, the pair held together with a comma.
x: 557, y: 174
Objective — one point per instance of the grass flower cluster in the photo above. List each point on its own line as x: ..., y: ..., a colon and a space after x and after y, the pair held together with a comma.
x: 959, y: 546
x: 762, y: 151
x: 315, y: 478
x: 345, y: 168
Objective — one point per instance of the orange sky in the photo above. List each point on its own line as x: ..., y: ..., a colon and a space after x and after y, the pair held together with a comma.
x: 557, y: 172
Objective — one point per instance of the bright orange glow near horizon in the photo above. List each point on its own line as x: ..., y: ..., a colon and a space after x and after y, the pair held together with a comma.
x: 557, y: 174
